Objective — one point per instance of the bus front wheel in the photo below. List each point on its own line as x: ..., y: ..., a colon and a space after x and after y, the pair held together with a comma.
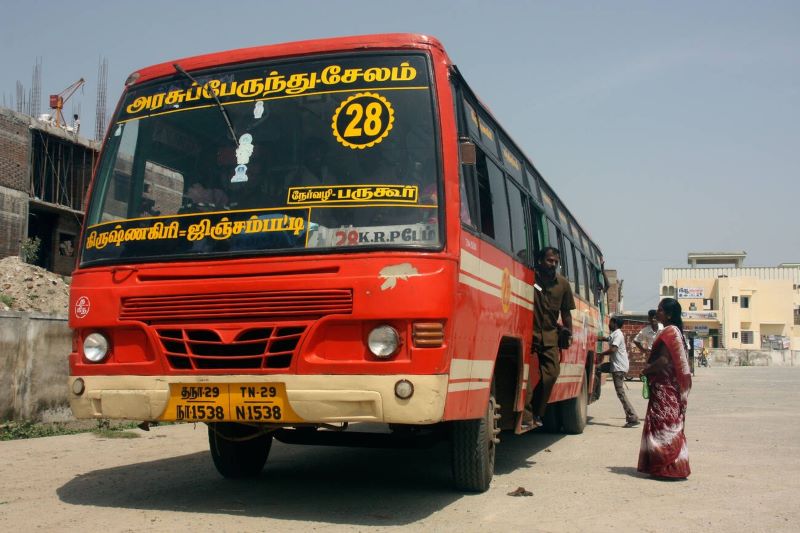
x: 473, y: 449
x: 238, y: 451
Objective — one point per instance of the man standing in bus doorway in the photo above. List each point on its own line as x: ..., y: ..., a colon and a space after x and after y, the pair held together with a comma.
x: 644, y: 339
x: 618, y: 366
x: 552, y: 296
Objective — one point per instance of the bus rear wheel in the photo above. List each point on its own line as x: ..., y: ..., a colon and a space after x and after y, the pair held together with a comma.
x: 574, y: 411
x: 473, y: 449
x: 238, y: 451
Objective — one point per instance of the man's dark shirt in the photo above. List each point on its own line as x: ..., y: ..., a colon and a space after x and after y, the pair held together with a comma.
x: 555, y: 296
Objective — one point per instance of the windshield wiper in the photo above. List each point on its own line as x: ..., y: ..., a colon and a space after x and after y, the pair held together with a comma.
x: 216, y: 100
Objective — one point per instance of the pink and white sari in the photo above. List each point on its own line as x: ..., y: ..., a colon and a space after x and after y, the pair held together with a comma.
x: 663, y: 452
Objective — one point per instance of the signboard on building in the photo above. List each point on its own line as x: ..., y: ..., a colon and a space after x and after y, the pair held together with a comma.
x: 691, y: 292
x: 699, y: 315
x: 700, y: 330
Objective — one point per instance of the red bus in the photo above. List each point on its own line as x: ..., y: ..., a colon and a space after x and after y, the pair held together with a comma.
x: 285, y: 240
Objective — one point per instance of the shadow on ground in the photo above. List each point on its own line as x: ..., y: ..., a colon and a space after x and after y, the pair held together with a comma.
x: 361, y: 486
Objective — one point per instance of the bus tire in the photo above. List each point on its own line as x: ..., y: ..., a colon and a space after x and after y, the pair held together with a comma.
x: 574, y: 411
x: 238, y: 451
x: 473, y: 450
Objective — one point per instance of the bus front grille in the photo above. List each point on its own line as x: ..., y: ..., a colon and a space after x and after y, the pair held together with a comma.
x: 251, y: 349
x: 278, y: 305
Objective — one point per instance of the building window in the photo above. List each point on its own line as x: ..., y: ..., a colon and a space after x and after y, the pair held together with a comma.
x: 708, y: 304
x: 747, y: 337
x: 745, y: 302
x: 735, y: 334
x: 735, y: 299
x: 797, y: 317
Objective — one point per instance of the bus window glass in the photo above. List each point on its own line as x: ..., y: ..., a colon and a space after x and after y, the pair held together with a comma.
x: 538, y: 227
x: 519, y: 229
x: 581, y: 277
x: 337, y: 152
x: 547, y: 200
x: 567, y: 260
x: 502, y: 227
x: 484, y: 196
x: 533, y: 181
x: 564, y: 247
x: 552, y: 235
x: 465, y: 210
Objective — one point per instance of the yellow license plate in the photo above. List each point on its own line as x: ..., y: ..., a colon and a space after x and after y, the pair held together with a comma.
x: 229, y: 402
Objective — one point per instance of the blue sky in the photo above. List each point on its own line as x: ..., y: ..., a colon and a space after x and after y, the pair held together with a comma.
x: 666, y: 127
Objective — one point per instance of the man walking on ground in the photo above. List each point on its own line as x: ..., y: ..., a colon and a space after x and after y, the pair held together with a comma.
x: 552, y: 297
x: 644, y: 339
x: 618, y: 366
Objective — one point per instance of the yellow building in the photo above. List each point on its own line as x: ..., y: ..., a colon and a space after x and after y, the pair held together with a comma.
x: 737, y: 307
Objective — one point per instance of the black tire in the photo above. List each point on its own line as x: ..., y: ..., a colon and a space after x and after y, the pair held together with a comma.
x: 551, y: 421
x: 473, y: 448
x: 236, y: 452
x: 575, y: 410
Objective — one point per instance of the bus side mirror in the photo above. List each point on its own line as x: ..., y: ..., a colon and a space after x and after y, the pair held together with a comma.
x: 468, y: 153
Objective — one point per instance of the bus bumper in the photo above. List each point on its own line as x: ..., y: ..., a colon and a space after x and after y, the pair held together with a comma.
x: 315, y: 399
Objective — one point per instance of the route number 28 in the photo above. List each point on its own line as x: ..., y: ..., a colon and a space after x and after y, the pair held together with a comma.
x: 363, y: 120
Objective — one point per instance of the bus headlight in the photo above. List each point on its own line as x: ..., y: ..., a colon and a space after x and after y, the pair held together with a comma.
x: 383, y: 341
x: 95, y: 347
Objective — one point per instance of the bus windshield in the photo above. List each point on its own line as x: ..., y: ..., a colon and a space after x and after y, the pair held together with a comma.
x: 325, y: 153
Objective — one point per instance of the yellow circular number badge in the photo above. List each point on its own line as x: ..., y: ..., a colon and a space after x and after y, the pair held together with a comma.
x: 363, y: 120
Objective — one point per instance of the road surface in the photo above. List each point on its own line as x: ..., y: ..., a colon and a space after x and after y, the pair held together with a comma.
x: 743, y: 427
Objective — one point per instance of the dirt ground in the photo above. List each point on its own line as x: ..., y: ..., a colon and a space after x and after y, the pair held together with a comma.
x: 744, y: 434
x: 25, y: 287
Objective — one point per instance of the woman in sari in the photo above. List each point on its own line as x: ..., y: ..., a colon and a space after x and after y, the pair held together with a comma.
x: 664, y: 453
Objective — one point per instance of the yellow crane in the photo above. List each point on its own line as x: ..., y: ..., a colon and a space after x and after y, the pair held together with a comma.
x: 57, y: 101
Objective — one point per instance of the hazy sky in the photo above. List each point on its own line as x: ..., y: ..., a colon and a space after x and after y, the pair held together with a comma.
x: 666, y: 127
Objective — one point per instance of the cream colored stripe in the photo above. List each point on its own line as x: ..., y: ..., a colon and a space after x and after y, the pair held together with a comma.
x: 459, y: 368
x: 571, y: 369
x: 479, y: 268
x: 470, y: 369
x: 477, y: 284
x: 569, y: 379
x: 489, y: 273
x: 521, y: 288
x: 482, y: 369
x: 468, y: 385
x: 522, y: 303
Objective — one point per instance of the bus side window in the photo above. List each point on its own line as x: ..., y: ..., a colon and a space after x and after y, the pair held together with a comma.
x: 552, y: 236
x: 519, y: 227
x: 537, y: 231
x: 500, y: 215
x: 484, y: 196
x: 580, y: 266
x: 562, y: 246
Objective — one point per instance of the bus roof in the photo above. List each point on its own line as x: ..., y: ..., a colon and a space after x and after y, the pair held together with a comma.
x: 293, y: 49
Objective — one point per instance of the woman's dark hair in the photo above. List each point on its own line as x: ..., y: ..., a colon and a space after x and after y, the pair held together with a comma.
x: 672, y: 309
x: 651, y: 314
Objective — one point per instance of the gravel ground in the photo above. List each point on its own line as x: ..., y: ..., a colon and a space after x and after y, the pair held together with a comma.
x: 744, y: 434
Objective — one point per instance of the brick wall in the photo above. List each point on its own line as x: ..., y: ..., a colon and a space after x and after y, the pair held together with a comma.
x: 15, y: 143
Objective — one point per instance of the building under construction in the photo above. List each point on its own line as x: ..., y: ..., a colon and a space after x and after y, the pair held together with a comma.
x: 44, y: 174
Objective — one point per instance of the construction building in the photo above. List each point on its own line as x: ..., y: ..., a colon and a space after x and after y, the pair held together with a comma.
x: 45, y: 171
x: 736, y: 307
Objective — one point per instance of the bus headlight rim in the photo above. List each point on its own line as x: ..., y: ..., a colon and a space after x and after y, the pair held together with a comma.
x: 383, y: 341
x: 95, y: 347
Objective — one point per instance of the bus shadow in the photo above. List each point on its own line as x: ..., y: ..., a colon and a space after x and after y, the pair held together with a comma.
x: 362, y: 486
x: 368, y: 487
x: 518, y: 451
